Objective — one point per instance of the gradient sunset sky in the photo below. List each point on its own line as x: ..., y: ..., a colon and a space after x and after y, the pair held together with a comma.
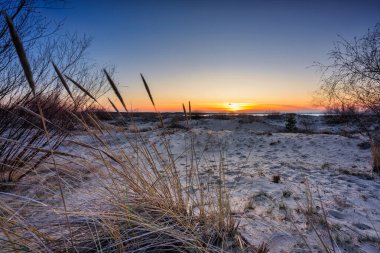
x: 242, y: 55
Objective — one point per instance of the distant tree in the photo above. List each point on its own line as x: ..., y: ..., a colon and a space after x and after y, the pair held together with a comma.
x: 43, y: 43
x: 352, y: 80
x: 341, y: 115
x: 291, y: 122
x: 20, y: 129
x: 306, y: 122
x: 353, y: 77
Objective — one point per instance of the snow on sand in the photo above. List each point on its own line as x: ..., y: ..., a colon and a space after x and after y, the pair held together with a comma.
x: 335, y: 169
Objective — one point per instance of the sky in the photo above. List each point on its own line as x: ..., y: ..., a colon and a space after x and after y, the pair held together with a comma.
x: 243, y: 56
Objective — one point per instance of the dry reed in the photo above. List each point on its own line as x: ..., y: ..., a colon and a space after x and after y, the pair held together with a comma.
x: 375, y: 150
x: 115, y: 89
x: 63, y: 81
x: 81, y: 88
x: 144, y: 204
x: 21, y: 54
x: 146, y: 207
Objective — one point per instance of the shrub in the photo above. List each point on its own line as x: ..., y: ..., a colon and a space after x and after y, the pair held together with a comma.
x: 340, y: 115
x: 307, y: 123
x: 375, y: 150
x: 24, y: 143
x: 147, y: 204
x: 291, y: 122
x: 35, y: 116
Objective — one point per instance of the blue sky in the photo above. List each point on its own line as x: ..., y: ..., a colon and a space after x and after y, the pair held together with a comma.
x: 216, y: 52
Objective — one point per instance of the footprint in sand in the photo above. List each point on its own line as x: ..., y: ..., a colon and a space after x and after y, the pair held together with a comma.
x: 336, y: 214
x: 361, y: 226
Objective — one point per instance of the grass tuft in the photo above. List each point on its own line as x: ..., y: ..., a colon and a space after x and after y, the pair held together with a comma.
x: 375, y: 150
x: 81, y: 88
x: 140, y: 201
x: 116, y: 90
x: 148, y: 91
x: 63, y: 81
x: 21, y: 53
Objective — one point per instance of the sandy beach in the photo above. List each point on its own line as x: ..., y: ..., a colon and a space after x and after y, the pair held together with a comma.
x: 333, y: 168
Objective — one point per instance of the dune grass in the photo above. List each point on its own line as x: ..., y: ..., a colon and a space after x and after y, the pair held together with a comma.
x: 139, y: 197
x: 375, y: 150
x: 145, y: 203
x: 148, y: 206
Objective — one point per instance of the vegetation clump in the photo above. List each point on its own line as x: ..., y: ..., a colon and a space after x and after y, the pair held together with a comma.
x: 143, y: 205
x: 291, y: 122
x: 375, y: 150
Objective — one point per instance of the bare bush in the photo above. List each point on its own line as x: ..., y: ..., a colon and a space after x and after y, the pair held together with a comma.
x: 307, y: 123
x: 146, y: 206
x: 375, y: 149
x: 43, y: 45
x: 291, y: 122
x: 33, y: 88
x: 353, y: 77
x: 352, y: 80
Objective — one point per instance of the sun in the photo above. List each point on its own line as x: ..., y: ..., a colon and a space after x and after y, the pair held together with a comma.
x: 234, y: 107
x: 238, y: 107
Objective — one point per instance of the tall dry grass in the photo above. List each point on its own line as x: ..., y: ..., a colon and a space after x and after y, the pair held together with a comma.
x: 375, y: 150
x: 142, y: 200
x: 23, y: 142
x: 34, y: 122
x: 150, y: 206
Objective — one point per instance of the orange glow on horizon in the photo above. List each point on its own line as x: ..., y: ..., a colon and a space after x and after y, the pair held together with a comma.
x: 237, y: 107
x: 218, y: 107
x: 247, y: 95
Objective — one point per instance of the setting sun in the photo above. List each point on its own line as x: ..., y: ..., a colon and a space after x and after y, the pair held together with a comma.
x: 189, y: 126
x: 236, y: 107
